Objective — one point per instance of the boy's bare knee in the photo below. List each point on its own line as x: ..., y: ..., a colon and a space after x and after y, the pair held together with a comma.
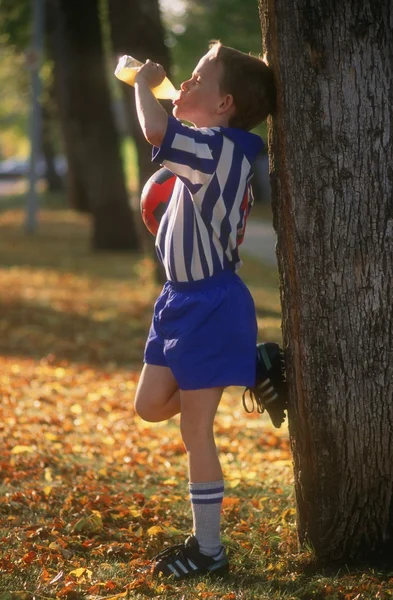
x: 144, y: 411
x: 150, y: 411
x: 155, y: 398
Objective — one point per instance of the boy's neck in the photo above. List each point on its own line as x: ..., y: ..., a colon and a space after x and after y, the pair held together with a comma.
x: 216, y: 122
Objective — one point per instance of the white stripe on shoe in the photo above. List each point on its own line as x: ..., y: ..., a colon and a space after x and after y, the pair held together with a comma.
x: 192, y: 564
x: 183, y: 567
x: 173, y: 571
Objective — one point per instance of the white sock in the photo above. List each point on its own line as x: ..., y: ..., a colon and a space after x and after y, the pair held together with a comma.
x: 206, y: 503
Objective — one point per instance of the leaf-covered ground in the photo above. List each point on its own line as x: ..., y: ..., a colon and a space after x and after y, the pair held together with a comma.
x: 88, y: 490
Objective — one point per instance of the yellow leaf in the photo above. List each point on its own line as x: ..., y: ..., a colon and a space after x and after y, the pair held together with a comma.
x: 54, y: 546
x: 200, y: 587
x: 172, y: 482
x: 47, y: 490
x: 76, y: 409
x: 251, y: 474
x: 91, y: 524
x: 289, y: 512
x: 21, y: 449
x: 155, y: 530
x: 51, y: 437
x: 234, y: 483
x: 81, y: 571
x: 77, y: 572
x: 135, y: 512
x: 108, y: 440
x: 48, y: 474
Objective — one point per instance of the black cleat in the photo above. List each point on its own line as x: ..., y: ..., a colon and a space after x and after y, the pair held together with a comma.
x: 185, y: 560
x: 270, y: 392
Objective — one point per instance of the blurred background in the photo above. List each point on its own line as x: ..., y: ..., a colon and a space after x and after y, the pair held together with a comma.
x: 68, y: 127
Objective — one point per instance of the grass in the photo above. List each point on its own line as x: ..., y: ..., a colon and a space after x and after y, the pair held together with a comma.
x: 88, y: 491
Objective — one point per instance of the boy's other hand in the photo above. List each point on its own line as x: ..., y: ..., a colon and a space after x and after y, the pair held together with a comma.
x: 151, y: 72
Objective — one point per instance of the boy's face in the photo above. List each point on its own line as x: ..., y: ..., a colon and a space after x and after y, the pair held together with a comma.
x: 200, y: 99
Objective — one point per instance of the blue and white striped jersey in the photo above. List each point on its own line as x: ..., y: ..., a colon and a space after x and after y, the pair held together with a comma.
x: 204, y: 223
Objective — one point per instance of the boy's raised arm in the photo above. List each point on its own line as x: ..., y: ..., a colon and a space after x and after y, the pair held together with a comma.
x: 152, y: 116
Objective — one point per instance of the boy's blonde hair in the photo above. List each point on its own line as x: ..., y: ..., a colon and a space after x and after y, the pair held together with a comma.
x: 250, y: 82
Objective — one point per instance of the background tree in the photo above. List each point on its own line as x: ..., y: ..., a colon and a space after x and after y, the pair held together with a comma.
x: 332, y: 156
x: 49, y: 147
x: 234, y: 23
x: 137, y: 30
x: 89, y: 119
x: 76, y: 189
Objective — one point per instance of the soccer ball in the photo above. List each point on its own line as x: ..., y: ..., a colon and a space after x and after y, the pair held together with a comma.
x: 154, y: 199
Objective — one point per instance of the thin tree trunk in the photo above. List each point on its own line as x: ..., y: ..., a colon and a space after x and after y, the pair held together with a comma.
x: 93, y: 139
x: 53, y: 179
x: 331, y: 159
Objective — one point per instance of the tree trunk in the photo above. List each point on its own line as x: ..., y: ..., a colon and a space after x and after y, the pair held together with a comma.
x: 53, y: 180
x: 331, y: 162
x: 76, y: 191
x: 136, y: 29
x: 91, y: 132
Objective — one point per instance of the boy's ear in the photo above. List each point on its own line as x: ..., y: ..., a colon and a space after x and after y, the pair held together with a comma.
x: 226, y: 104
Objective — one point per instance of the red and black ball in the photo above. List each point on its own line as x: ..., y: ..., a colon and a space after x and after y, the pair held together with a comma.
x: 155, y: 196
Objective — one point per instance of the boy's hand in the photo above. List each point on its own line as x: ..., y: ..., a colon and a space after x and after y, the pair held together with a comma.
x: 152, y: 73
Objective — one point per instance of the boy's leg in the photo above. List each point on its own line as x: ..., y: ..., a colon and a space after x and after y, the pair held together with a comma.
x: 201, y: 553
x: 157, y: 397
x: 198, y: 410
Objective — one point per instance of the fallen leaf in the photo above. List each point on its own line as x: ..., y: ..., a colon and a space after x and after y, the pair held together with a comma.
x: 80, y: 572
x: 91, y: 524
x: 155, y: 530
x: 229, y: 501
x: 21, y: 449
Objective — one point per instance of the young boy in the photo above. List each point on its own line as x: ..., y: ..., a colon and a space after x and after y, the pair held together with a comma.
x: 204, y: 332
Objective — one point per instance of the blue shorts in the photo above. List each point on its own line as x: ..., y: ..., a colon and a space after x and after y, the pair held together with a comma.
x: 205, y: 332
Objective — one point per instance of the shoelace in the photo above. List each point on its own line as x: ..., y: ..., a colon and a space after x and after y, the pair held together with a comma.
x: 261, y: 395
x: 254, y: 400
x: 176, y: 550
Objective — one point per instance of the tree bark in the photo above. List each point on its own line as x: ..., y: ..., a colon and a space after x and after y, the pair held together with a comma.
x: 136, y: 29
x: 75, y: 189
x: 332, y: 177
x: 53, y: 180
x: 91, y: 133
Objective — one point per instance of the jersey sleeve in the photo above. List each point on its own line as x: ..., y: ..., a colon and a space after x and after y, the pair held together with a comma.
x: 191, y: 154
